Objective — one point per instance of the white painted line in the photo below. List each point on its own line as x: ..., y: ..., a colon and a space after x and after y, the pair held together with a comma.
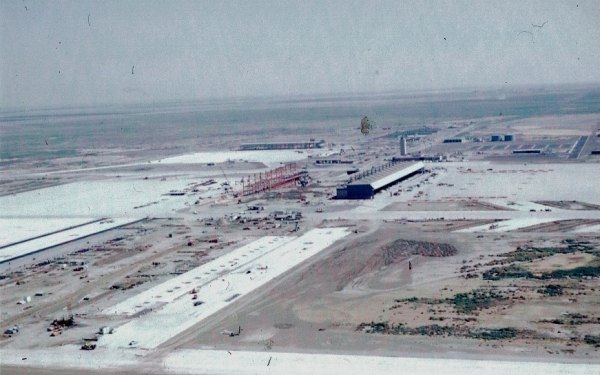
x: 573, y: 147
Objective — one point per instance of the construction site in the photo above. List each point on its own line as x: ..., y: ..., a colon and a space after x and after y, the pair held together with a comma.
x: 361, y: 253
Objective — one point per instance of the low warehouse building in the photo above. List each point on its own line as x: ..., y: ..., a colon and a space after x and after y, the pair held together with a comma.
x: 528, y: 151
x: 282, y: 145
x: 454, y: 140
x: 368, y: 184
x: 333, y: 160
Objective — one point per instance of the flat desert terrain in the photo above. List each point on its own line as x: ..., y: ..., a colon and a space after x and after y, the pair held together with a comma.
x: 155, y: 255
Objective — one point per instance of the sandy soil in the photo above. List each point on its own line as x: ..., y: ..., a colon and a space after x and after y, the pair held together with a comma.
x: 320, y: 306
x: 560, y: 261
x: 403, y: 263
x: 555, y: 126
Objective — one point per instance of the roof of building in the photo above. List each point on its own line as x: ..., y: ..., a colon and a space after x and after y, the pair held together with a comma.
x: 389, y: 175
x: 284, y: 143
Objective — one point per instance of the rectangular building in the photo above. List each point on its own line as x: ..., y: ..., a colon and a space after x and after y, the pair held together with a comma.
x: 453, y: 140
x: 282, y: 145
x: 528, y: 151
x: 325, y: 161
x: 369, y: 183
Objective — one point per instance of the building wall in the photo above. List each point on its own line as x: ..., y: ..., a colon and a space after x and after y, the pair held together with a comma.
x: 333, y: 161
x: 360, y: 192
x: 341, y: 193
x: 282, y: 146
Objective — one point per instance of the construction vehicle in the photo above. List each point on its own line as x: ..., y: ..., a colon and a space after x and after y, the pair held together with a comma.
x: 232, y: 333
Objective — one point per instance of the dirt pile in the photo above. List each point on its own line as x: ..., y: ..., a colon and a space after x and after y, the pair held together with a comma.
x: 365, y: 256
x: 396, y: 252
x: 404, y: 248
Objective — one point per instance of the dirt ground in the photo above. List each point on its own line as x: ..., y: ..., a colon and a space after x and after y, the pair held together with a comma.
x: 320, y: 306
x: 555, y: 126
x: 393, y: 287
x: 443, y: 206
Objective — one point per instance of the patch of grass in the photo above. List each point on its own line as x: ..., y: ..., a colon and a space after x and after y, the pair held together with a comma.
x: 440, y: 330
x: 584, y: 271
x: 495, y: 333
x: 410, y: 299
x: 511, y: 271
x: 477, y: 299
x: 551, y: 290
x: 374, y: 327
x: 592, y: 340
x: 430, y: 330
x: 514, y: 271
x: 553, y: 321
x: 427, y: 301
x: 464, y: 303
x: 528, y: 254
x: 573, y: 319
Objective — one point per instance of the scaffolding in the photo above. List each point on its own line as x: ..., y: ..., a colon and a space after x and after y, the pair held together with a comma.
x: 273, y: 179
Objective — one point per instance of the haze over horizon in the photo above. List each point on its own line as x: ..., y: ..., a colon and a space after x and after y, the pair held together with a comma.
x: 85, y: 53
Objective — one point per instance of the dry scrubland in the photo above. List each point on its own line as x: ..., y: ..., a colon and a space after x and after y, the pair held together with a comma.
x: 485, y: 256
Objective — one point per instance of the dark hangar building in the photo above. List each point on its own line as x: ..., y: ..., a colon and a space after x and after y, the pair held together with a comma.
x: 369, y: 183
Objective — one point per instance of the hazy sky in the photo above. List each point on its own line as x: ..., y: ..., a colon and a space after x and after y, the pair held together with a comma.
x: 51, y: 56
